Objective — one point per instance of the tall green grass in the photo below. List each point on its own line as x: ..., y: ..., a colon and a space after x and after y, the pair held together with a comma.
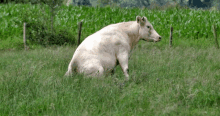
x: 163, y: 81
x: 186, y: 22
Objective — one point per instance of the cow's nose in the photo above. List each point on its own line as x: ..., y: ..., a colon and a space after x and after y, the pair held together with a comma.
x: 159, y: 38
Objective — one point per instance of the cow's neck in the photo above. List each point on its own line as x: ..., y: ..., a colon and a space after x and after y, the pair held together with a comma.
x: 133, y: 33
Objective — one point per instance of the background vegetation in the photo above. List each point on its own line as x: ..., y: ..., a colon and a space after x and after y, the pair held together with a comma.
x: 183, y: 80
x: 190, y: 25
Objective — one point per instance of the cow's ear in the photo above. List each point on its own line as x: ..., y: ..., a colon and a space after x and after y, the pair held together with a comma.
x: 138, y: 19
x: 144, y: 19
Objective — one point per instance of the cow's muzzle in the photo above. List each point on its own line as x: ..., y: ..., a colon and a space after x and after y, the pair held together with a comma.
x: 158, y: 39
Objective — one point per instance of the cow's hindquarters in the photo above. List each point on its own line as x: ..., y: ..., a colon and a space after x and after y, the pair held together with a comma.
x: 91, y: 67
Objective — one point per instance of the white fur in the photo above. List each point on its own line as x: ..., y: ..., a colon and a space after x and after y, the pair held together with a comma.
x: 99, y: 52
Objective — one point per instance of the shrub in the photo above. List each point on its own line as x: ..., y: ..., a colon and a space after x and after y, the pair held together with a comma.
x: 38, y: 33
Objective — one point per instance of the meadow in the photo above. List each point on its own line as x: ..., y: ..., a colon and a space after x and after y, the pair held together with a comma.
x: 182, y: 80
x: 163, y: 81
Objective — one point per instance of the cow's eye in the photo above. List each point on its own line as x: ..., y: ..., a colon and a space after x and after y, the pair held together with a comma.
x: 148, y: 27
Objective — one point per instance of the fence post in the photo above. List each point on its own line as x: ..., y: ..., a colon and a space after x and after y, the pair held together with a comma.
x: 171, y: 36
x: 79, y: 31
x: 197, y: 35
x: 24, y: 36
x: 215, y: 36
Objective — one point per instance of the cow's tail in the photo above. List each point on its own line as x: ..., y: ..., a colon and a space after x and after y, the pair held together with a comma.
x: 71, y: 68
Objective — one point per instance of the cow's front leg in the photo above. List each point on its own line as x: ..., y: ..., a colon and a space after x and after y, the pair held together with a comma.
x: 123, y: 61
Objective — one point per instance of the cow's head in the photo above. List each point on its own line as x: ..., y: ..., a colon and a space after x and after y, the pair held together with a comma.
x: 146, y: 30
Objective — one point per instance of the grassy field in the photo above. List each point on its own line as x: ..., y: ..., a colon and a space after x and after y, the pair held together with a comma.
x: 183, y: 80
x: 164, y: 81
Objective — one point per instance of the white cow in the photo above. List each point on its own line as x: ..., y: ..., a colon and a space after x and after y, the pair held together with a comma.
x: 99, y: 53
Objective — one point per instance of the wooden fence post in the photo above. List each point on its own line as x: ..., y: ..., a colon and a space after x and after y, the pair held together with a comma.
x: 197, y: 35
x: 171, y: 36
x: 79, y: 31
x: 24, y: 36
x: 215, y: 36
